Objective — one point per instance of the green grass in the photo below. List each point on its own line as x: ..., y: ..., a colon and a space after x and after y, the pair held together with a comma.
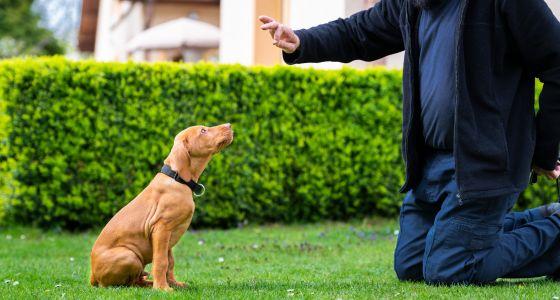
x: 327, y: 261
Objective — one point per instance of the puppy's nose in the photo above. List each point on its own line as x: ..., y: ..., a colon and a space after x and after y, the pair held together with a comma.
x: 227, y: 125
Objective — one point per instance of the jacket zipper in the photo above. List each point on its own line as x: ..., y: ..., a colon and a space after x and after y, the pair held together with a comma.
x: 459, y: 43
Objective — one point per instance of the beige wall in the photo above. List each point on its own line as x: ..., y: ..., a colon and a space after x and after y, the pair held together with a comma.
x: 208, y: 13
x: 265, y: 52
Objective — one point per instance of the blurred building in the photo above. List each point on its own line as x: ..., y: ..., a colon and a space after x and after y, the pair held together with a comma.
x: 224, y: 31
x: 118, y: 30
x: 155, y: 30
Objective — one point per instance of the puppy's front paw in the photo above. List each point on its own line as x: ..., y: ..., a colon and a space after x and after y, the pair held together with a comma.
x: 177, y: 284
x: 165, y: 288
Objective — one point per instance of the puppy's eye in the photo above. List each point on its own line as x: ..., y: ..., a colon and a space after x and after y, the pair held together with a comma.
x: 203, y: 130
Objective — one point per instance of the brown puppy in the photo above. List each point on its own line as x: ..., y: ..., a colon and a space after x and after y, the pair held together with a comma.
x: 146, y: 229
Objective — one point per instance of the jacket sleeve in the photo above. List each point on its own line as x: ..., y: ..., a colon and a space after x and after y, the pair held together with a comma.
x: 536, y: 32
x: 367, y: 35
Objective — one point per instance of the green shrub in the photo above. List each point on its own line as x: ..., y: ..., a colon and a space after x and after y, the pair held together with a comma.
x: 81, y: 139
x: 4, y: 174
x: 545, y: 191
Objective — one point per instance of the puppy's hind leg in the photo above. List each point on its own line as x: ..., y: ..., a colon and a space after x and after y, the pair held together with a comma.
x: 92, y: 280
x: 118, y: 267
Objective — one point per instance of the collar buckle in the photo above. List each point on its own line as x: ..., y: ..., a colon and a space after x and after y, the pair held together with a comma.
x: 200, y: 185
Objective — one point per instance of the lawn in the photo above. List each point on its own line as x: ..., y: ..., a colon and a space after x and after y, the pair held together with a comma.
x: 327, y: 261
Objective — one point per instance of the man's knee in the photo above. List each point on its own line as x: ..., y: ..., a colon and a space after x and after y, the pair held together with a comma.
x: 446, y: 278
x: 456, y: 266
x: 435, y: 273
x: 441, y: 278
x: 447, y: 263
x: 407, y: 271
x: 408, y: 274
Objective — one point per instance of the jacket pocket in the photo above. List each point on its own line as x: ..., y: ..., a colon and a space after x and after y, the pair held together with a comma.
x: 491, y: 150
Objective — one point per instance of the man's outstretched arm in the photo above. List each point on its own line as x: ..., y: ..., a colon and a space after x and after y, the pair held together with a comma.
x: 537, y: 34
x: 367, y: 35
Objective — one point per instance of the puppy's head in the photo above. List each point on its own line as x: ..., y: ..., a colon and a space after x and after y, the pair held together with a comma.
x: 202, y: 141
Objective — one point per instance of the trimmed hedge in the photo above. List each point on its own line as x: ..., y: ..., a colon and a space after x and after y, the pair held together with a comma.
x: 81, y: 139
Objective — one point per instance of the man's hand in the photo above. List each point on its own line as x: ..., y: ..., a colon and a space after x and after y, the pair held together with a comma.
x: 550, y: 174
x: 284, y: 37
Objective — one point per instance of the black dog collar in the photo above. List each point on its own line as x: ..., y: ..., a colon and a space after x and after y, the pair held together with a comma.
x: 197, y: 188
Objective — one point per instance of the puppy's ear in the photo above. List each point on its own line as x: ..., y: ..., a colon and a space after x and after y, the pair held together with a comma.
x: 186, y: 142
x: 180, y: 154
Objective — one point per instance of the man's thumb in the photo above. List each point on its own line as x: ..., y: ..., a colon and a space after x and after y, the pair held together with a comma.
x: 285, y: 46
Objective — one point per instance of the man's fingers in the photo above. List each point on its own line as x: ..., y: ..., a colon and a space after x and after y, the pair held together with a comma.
x: 283, y: 36
x: 281, y: 44
x: 555, y: 174
x: 279, y: 32
x: 269, y: 26
x: 266, y: 19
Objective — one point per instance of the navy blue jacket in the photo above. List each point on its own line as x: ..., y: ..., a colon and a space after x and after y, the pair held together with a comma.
x: 501, y: 47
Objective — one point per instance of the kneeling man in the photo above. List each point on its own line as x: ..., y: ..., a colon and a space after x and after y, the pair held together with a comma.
x: 470, y: 133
